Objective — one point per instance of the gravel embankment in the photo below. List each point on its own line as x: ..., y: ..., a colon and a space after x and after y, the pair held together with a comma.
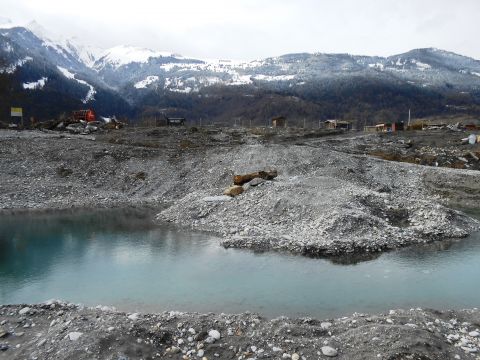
x: 55, y: 330
x: 324, y: 201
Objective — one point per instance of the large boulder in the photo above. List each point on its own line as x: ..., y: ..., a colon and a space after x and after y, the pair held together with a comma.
x: 233, y: 190
x: 266, y: 175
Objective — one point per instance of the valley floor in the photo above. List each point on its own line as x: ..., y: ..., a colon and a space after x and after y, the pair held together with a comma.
x: 329, y: 198
x: 332, y: 197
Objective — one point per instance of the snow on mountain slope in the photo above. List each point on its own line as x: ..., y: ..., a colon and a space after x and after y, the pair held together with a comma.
x: 10, y: 69
x: 147, y: 81
x: 90, y: 96
x: 128, y: 68
x: 123, y: 55
x: 34, y: 85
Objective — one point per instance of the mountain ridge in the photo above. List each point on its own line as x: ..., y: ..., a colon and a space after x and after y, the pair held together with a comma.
x: 148, y: 82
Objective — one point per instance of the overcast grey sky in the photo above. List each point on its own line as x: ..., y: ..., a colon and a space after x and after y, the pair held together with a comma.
x: 248, y: 29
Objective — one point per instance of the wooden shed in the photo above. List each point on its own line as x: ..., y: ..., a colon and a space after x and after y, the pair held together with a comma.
x: 338, y: 124
x: 279, y: 121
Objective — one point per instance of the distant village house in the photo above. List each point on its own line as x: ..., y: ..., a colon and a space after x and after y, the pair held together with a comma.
x: 338, y: 124
x: 386, y: 127
x: 279, y: 121
x: 175, y: 121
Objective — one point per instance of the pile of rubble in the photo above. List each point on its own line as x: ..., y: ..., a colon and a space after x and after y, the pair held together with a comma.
x: 80, y: 127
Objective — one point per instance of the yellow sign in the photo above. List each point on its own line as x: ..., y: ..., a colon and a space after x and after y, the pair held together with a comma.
x: 16, y: 112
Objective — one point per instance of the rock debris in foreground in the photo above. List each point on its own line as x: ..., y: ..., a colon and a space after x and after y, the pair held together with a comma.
x: 57, y: 330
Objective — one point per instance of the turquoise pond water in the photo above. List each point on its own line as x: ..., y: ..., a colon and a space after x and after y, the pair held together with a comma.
x: 121, y: 258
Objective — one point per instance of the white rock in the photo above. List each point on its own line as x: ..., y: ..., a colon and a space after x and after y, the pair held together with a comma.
x: 111, y: 328
x: 214, y: 334
x: 200, y: 353
x: 74, y: 336
x: 41, y: 342
x: 295, y: 356
x: 24, y: 311
x: 474, y: 333
x: 325, y: 325
x: 329, y: 351
x: 470, y: 350
x: 133, y: 316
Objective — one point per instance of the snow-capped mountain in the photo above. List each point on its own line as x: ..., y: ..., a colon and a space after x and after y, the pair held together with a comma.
x: 329, y: 83
x: 39, y: 67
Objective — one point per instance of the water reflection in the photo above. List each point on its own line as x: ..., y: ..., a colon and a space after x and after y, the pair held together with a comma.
x: 121, y: 258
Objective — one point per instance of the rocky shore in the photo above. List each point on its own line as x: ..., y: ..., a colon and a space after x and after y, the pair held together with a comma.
x: 56, y: 330
x: 325, y: 201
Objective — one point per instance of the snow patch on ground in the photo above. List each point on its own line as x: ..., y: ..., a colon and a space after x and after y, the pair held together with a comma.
x: 35, y: 85
x: 145, y: 82
x: 240, y: 80
x: 378, y: 66
x: 274, y: 77
x: 421, y: 66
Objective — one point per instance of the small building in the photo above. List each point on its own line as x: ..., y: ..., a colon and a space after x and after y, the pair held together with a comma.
x: 338, y: 124
x: 279, y: 121
x: 371, y: 128
x: 175, y: 121
x: 390, y: 127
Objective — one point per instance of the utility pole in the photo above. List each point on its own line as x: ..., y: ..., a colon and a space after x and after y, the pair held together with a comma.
x: 409, y: 117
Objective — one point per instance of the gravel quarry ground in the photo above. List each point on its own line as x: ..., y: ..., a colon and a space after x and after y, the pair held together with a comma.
x: 325, y: 201
x: 333, y: 196
x: 57, y: 330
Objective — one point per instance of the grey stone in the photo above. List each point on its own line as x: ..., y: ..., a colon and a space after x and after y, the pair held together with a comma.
x: 24, y: 310
x: 74, y: 336
x: 329, y: 351
x: 256, y: 181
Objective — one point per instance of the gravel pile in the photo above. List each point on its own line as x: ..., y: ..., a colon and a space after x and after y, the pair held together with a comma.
x: 323, y: 202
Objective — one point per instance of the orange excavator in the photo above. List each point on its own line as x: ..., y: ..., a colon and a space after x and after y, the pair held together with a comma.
x: 85, y: 115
